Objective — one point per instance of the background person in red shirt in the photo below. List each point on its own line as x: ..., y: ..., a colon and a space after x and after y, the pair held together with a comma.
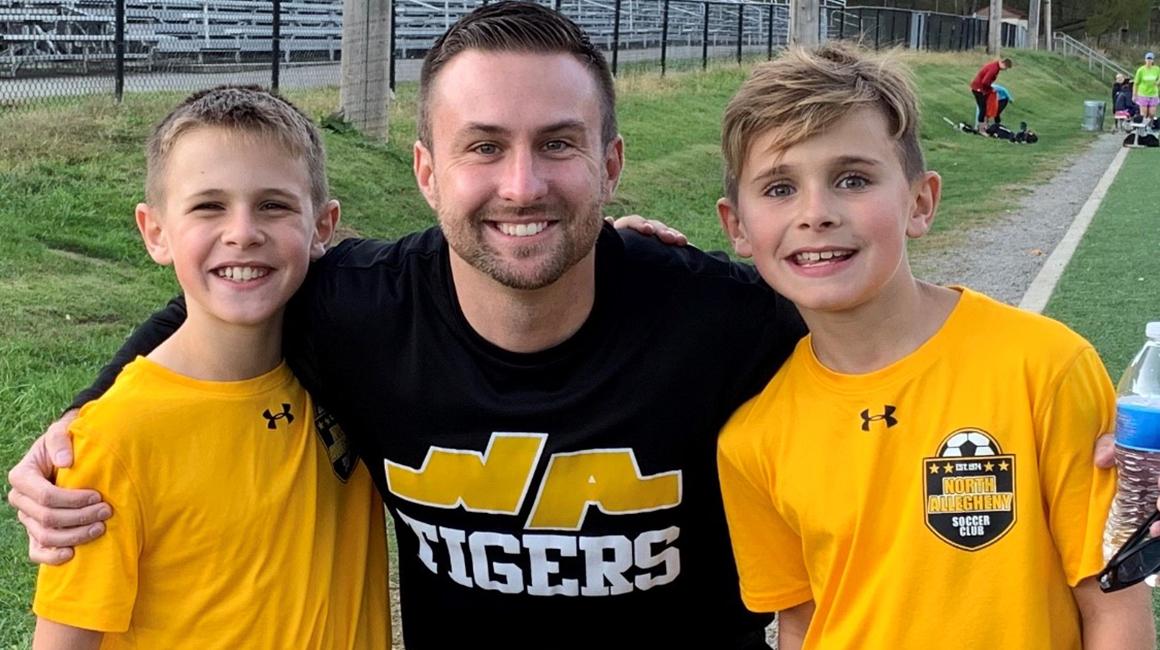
x: 981, y: 87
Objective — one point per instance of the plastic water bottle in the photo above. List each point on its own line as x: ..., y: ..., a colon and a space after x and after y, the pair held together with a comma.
x: 1137, y: 444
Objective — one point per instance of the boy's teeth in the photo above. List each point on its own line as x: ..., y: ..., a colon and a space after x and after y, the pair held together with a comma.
x: 812, y: 258
x: 522, y: 229
x: 241, y: 273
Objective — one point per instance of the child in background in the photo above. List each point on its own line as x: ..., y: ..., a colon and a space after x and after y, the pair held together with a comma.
x: 241, y: 519
x: 919, y: 473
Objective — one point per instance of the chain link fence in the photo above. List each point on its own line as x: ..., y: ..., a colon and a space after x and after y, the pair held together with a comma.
x: 62, y: 48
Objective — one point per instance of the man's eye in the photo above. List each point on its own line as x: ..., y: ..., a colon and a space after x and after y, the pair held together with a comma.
x: 853, y: 182
x: 556, y: 145
x: 779, y: 190
x: 487, y: 149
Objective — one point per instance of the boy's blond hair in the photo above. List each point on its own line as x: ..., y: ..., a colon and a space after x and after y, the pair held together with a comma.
x: 248, y: 110
x: 803, y: 92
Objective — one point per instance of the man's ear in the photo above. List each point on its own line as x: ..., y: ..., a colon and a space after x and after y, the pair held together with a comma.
x: 152, y: 231
x: 423, y: 164
x: 325, y: 223
x: 613, y: 166
x: 734, y: 229
x: 927, y: 192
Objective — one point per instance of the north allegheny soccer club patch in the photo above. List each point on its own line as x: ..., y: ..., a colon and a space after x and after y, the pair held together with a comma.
x: 969, y: 490
x: 338, y: 449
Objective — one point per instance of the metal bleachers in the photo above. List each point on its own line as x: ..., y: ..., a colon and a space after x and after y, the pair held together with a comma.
x: 74, y: 35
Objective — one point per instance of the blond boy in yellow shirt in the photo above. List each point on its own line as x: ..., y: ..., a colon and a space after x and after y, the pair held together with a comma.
x: 919, y: 473
x: 241, y: 519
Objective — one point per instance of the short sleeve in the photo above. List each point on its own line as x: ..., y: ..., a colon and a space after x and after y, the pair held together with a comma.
x: 767, y: 550
x: 97, y: 589
x: 1077, y: 494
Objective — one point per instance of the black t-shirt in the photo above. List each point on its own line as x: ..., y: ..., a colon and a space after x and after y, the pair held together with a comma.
x: 563, y: 498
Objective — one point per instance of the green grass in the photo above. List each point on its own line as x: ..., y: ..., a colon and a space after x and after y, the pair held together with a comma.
x: 74, y: 279
x: 1111, y: 287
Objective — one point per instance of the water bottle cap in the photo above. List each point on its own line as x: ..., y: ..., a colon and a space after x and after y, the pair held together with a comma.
x: 1152, y: 330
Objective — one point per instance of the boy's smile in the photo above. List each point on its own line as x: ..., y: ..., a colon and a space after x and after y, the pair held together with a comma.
x: 826, y: 220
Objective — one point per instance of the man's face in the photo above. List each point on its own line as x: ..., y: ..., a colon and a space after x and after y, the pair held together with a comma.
x: 516, y: 171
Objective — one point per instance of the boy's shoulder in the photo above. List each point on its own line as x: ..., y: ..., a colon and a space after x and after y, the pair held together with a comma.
x: 989, y: 326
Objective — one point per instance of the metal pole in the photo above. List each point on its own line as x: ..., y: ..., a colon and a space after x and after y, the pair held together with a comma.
x: 769, y: 36
x: 841, y: 25
x: 391, y: 51
x: 556, y: 5
x: 740, y: 28
x: 705, y: 38
x: 119, y: 50
x: 877, y: 26
x: 664, y: 36
x: 276, y: 46
x: 616, y: 37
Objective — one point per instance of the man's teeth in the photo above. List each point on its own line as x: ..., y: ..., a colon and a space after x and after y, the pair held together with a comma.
x: 241, y: 273
x: 522, y: 229
x: 822, y: 256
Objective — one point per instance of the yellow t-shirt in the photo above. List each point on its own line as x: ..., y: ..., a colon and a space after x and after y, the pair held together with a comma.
x: 948, y: 500
x: 231, y: 526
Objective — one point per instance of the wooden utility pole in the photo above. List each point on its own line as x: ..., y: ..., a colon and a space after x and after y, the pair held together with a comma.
x: 1033, y: 25
x: 1047, y: 33
x: 805, y: 22
x: 365, y: 93
x: 995, y: 29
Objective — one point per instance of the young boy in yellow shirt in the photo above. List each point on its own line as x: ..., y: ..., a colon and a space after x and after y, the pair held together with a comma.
x: 241, y: 519
x: 919, y: 473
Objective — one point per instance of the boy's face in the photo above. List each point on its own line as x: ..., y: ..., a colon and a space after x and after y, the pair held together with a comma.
x: 826, y: 220
x: 237, y: 222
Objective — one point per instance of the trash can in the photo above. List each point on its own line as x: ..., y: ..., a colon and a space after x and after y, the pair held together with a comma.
x: 1093, y: 115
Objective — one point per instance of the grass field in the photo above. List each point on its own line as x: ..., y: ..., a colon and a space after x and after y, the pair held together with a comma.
x: 74, y: 279
x: 1111, y: 288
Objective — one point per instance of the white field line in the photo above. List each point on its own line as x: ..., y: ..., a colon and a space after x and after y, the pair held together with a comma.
x: 1044, y: 283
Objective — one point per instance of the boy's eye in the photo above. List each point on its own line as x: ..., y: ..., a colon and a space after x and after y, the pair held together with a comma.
x: 853, y: 182
x: 273, y: 206
x: 779, y: 190
x: 206, y: 207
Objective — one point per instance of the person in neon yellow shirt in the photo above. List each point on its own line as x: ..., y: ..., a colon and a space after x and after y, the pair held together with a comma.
x: 1147, y: 86
x: 926, y: 451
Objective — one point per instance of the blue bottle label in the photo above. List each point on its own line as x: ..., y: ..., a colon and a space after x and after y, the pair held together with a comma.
x: 1138, y: 426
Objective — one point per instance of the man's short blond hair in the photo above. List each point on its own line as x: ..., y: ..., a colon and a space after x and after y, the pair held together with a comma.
x: 250, y: 111
x: 802, y: 93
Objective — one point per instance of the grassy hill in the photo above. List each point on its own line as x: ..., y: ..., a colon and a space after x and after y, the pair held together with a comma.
x: 74, y: 278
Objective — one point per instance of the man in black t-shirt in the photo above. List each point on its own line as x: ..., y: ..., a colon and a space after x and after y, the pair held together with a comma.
x: 537, y: 397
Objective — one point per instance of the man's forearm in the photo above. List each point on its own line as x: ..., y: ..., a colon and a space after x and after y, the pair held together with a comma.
x: 159, y: 327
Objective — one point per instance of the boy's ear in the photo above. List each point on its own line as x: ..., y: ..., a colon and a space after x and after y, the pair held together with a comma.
x: 734, y: 229
x: 927, y: 191
x: 325, y: 225
x: 424, y: 165
x: 152, y: 231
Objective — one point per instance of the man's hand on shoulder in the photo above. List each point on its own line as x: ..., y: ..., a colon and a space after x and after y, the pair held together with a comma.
x: 56, y: 519
x: 651, y: 228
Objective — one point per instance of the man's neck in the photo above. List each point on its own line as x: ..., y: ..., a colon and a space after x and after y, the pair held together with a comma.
x: 882, y: 332
x: 525, y: 320
x: 208, y: 351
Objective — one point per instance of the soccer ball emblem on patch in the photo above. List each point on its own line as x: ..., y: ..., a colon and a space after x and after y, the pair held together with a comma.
x: 969, y: 490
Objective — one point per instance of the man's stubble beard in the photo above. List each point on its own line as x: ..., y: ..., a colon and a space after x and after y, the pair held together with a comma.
x: 582, y: 227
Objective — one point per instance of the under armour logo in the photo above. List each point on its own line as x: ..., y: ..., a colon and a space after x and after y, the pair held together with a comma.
x: 887, y: 416
x: 272, y: 418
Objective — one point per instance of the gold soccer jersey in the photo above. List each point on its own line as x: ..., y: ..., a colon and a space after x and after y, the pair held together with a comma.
x: 231, y: 527
x: 947, y: 499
